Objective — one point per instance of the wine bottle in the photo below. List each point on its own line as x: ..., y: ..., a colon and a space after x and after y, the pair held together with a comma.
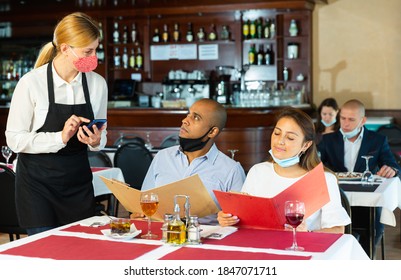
x: 252, y: 30
x: 245, y: 30
x: 225, y: 33
x: 212, y: 35
x: 117, y: 58
x: 134, y: 33
x: 125, y: 58
x: 125, y: 34
x: 201, y: 34
x: 116, y: 34
x: 132, y: 59
x: 139, y: 59
x: 266, y: 29
x: 176, y: 33
x: 100, y: 53
x: 260, y: 56
x: 190, y: 36
x: 251, y: 54
x: 156, y: 36
x: 165, y: 35
x: 268, y: 56
x: 259, y: 28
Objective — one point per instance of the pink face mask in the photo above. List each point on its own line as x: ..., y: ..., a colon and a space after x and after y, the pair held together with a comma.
x: 85, y: 64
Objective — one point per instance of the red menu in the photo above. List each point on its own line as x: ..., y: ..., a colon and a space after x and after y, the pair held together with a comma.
x: 261, y: 212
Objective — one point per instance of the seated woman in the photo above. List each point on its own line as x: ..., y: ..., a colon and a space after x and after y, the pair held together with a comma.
x: 327, y: 118
x: 293, y: 154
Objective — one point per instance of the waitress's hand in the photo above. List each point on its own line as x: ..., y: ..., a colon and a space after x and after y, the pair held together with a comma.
x: 226, y: 219
x: 86, y: 136
x: 71, y: 127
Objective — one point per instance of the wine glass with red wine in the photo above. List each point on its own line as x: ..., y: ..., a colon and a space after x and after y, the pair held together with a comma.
x: 294, y: 214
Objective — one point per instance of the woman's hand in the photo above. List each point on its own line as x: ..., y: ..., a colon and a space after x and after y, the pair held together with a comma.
x: 86, y: 136
x: 71, y: 126
x: 226, y: 219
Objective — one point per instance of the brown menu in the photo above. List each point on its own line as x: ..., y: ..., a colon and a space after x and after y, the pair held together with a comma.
x: 201, y: 202
x: 261, y: 212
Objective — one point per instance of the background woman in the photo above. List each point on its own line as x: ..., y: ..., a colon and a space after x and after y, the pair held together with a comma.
x: 327, y: 117
x: 49, y: 105
x: 293, y: 154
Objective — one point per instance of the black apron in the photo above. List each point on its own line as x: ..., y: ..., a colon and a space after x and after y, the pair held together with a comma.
x: 54, y: 189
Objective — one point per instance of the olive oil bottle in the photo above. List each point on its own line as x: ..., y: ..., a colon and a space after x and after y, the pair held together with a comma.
x: 176, y: 229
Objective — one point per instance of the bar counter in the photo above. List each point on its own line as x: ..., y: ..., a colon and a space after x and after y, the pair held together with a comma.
x: 247, y: 130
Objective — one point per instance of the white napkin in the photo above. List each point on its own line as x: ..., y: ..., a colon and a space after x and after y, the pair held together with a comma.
x: 103, y: 220
x: 216, y: 232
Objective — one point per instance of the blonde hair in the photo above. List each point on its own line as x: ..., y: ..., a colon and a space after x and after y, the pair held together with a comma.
x: 76, y: 29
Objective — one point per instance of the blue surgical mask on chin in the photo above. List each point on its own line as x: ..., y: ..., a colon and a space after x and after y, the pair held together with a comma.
x: 352, y: 133
x: 286, y: 162
x: 328, y: 124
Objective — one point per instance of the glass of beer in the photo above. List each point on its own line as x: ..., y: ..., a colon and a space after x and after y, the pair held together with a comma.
x: 149, y: 204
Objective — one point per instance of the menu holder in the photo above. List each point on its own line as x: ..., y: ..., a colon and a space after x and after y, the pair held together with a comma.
x: 268, y: 213
x: 202, y: 204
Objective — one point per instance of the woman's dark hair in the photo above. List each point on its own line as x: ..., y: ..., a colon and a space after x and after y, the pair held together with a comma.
x: 328, y: 102
x: 310, y: 158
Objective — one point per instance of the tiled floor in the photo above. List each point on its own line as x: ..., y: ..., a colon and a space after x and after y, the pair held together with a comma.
x: 392, y: 239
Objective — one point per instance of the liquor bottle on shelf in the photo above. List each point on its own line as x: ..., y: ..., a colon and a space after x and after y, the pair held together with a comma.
x: 245, y: 29
x: 116, y: 34
x: 293, y: 30
x: 285, y: 74
x: 225, y: 33
x: 266, y: 29
x: 190, y: 36
x: 165, y: 35
x: 252, y: 55
x: 117, y: 58
x: 139, y: 59
x: 260, y: 56
x: 201, y: 34
x: 272, y: 29
x: 269, y: 55
x: 101, y: 30
x: 212, y: 35
x: 156, y: 36
x: 176, y: 33
x: 134, y: 33
x: 125, y: 34
x: 252, y: 30
x: 125, y: 58
x: 100, y: 53
x: 259, y: 28
x: 132, y: 59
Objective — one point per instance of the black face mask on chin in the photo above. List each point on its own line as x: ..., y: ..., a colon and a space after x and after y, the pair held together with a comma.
x: 192, y: 145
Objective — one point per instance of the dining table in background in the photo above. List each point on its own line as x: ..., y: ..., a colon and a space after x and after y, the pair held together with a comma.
x: 79, y: 241
x: 386, y: 194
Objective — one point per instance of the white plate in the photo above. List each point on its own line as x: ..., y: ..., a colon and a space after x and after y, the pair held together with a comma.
x: 125, y: 236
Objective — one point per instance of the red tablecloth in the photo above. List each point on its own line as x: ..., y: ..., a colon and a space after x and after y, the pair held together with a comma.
x: 75, y: 248
x: 311, y: 241
x: 186, y: 253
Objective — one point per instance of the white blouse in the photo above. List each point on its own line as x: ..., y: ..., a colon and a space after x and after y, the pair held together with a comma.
x: 30, y: 104
x: 263, y: 181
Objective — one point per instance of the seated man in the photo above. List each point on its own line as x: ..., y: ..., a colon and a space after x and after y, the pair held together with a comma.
x: 198, y: 154
x: 342, y: 151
